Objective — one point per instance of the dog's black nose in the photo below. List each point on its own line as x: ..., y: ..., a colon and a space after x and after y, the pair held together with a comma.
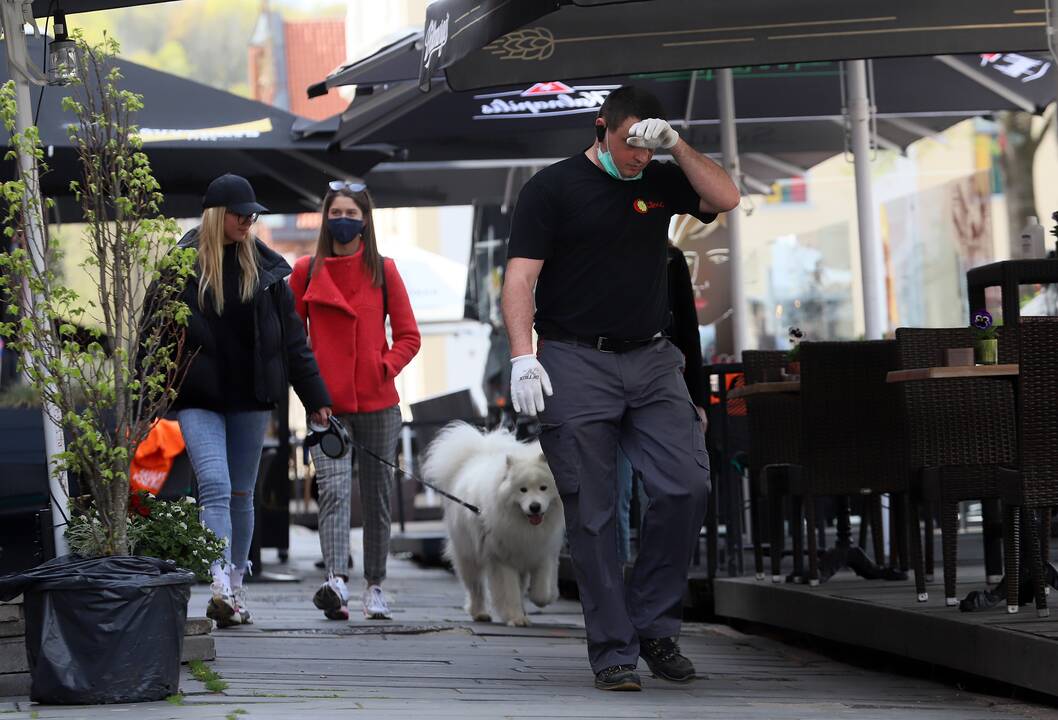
x: 534, y: 508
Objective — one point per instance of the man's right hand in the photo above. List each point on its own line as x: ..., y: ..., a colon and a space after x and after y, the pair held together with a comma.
x: 529, y: 384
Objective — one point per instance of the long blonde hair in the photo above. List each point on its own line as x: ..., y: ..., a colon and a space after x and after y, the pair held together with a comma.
x: 211, y: 261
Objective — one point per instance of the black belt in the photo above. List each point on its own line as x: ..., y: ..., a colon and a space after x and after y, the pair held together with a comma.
x: 603, y: 344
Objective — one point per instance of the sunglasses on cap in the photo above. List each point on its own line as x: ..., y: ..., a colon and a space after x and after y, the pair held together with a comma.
x: 337, y: 185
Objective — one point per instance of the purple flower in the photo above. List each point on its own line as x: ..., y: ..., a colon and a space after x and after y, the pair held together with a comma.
x: 982, y: 320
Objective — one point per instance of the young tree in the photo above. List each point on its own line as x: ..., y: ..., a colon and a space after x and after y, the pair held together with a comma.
x: 108, y: 363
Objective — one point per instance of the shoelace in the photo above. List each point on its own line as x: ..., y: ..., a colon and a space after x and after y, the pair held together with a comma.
x: 662, y: 649
x: 619, y: 668
x: 377, y: 600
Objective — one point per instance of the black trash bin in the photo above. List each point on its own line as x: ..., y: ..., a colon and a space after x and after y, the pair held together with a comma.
x: 102, y: 630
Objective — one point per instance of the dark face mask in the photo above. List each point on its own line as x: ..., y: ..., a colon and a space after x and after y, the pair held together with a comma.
x: 345, y: 230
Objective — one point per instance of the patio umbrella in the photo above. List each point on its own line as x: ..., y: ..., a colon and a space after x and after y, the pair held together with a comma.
x: 461, y: 146
x: 45, y: 7
x: 588, y: 38
x: 193, y: 133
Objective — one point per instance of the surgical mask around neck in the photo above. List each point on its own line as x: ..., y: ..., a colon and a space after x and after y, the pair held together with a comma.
x: 606, y: 160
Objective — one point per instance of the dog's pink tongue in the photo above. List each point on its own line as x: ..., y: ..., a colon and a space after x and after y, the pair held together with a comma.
x: 536, y: 519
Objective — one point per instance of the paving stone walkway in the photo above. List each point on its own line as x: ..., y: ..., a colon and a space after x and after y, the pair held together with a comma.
x: 431, y: 662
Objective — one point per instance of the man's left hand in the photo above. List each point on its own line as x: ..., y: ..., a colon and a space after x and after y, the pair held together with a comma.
x: 652, y: 133
x: 702, y: 417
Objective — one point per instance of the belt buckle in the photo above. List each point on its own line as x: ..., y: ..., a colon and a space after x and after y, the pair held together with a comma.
x: 599, y: 345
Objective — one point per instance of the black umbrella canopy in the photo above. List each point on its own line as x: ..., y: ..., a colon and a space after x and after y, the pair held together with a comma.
x: 44, y: 7
x: 585, y: 38
x: 459, y: 146
x: 193, y: 133
x: 774, y: 103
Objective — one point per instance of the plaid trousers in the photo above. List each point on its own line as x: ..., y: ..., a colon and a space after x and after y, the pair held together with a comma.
x: 378, y: 432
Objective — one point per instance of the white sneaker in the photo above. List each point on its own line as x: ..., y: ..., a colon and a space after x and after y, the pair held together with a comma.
x: 332, y: 598
x: 241, y: 612
x: 375, y: 607
x: 221, y: 607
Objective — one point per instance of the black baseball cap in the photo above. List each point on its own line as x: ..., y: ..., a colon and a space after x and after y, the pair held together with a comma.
x: 234, y: 193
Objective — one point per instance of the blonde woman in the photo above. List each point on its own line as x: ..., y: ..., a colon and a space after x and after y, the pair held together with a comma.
x: 249, y: 345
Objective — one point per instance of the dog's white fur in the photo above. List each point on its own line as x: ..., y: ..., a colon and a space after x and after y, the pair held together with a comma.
x: 509, y: 482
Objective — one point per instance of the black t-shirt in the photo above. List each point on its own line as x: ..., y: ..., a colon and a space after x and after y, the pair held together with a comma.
x: 603, y: 242
x: 233, y: 331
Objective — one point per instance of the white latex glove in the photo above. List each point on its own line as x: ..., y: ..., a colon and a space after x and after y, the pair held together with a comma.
x: 652, y: 133
x: 529, y: 384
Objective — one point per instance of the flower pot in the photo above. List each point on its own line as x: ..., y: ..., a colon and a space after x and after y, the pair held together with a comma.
x: 793, y: 368
x: 103, y: 630
x: 986, y: 351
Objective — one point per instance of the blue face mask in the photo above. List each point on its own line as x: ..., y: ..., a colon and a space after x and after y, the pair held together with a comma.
x: 606, y: 160
x: 345, y: 230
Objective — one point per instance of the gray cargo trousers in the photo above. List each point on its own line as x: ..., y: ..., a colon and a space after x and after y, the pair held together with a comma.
x: 638, y: 399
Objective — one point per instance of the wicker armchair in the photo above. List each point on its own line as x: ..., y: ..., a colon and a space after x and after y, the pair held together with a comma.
x: 958, y: 431
x: 1032, y: 484
x: 853, y: 441
x: 775, y: 448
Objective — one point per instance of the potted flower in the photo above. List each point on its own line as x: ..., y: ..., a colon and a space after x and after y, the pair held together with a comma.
x: 106, y: 364
x: 986, y: 344
x: 793, y: 355
x: 170, y: 530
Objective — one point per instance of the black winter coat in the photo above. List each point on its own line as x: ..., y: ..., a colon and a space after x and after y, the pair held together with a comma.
x: 281, y: 355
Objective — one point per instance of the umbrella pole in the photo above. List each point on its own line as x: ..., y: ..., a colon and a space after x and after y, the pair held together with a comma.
x: 18, y: 62
x: 725, y: 90
x: 872, y: 263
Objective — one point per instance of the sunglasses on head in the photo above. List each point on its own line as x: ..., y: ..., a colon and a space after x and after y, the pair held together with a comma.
x: 337, y: 185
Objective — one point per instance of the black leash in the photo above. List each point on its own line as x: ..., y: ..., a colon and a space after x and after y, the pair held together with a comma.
x: 405, y: 473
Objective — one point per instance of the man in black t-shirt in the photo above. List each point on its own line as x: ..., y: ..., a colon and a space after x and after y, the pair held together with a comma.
x: 590, y: 235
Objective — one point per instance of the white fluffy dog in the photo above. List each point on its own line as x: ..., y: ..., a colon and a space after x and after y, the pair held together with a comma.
x: 513, y: 545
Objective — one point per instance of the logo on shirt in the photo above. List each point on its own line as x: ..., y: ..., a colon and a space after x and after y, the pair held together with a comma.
x: 642, y: 206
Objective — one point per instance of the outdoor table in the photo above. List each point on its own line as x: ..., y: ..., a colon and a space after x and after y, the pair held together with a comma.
x: 1008, y: 275
x: 765, y: 388
x: 957, y: 371
x: 1012, y: 370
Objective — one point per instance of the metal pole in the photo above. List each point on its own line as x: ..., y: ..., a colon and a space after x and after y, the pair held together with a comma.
x: 54, y: 443
x: 872, y: 264
x: 725, y: 90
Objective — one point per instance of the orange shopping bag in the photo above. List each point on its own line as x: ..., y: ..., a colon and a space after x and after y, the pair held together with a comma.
x: 154, y: 456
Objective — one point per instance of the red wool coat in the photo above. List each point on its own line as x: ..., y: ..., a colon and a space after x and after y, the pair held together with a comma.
x: 347, y: 331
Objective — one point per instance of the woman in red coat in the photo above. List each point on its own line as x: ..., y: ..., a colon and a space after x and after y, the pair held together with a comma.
x: 344, y: 293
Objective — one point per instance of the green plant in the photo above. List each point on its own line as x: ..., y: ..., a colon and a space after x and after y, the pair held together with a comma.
x: 175, y: 699
x: 104, y: 365
x: 170, y: 530
x: 211, y: 678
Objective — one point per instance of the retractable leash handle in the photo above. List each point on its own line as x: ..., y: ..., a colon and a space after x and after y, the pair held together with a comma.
x: 473, y: 508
